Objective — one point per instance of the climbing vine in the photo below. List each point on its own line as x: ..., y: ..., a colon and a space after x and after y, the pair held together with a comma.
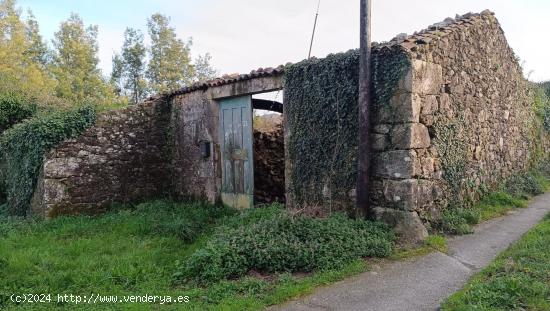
x: 13, y: 109
x: 321, y: 107
x: 389, y: 67
x: 452, y: 149
x: 25, y: 144
x: 321, y: 111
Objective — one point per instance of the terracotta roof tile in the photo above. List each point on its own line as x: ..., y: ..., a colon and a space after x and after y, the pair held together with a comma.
x: 433, y: 32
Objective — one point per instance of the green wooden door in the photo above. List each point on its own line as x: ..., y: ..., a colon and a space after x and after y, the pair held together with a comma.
x: 236, y: 152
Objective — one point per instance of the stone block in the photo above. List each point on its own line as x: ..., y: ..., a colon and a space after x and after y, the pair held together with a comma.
x: 410, y: 136
x: 408, y: 194
x: 381, y: 128
x: 423, y: 78
x: 430, y: 104
x: 401, y: 164
x: 407, y: 225
x: 61, y: 167
x: 402, y: 108
x: 54, y: 191
x: 379, y: 142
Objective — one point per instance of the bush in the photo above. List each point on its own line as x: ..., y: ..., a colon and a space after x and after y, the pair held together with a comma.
x: 279, y: 242
x: 527, y: 185
x: 25, y: 144
x: 459, y: 220
x: 14, y: 109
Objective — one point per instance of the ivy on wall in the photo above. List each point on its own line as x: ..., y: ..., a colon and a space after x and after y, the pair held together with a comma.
x: 321, y: 107
x: 452, y: 150
x: 321, y: 111
x: 13, y: 109
x: 25, y: 144
x: 389, y: 66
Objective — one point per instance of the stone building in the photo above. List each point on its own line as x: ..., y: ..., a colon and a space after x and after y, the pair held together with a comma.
x: 453, y: 114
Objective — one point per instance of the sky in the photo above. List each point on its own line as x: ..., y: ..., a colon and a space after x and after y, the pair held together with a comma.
x: 242, y: 35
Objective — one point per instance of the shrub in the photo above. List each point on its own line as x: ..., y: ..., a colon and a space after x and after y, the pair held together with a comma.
x: 459, y: 220
x: 524, y: 186
x: 25, y: 144
x: 14, y: 109
x: 279, y: 242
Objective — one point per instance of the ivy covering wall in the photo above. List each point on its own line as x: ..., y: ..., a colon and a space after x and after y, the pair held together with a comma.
x: 321, y: 114
x: 321, y: 111
x: 25, y: 144
x: 13, y: 109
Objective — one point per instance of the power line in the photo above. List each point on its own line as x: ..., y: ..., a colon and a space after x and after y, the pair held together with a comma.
x: 314, y: 26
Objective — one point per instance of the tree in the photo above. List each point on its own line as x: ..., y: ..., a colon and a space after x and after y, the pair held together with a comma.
x: 37, y: 50
x: 133, y: 64
x: 20, y: 70
x: 170, y: 64
x: 75, y: 63
x: 116, y: 74
x: 203, y: 69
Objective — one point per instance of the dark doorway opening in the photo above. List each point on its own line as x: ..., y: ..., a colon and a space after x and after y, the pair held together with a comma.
x: 268, y: 144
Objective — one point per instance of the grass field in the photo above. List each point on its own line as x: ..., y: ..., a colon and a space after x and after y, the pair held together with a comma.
x: 138, y: 251
x: 519, y: 279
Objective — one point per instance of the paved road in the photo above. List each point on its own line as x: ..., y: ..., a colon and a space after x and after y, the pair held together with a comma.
x: 422, y: 283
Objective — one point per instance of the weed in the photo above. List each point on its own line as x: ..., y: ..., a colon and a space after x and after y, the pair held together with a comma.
x: 516, y: 280
x: 280, y: 242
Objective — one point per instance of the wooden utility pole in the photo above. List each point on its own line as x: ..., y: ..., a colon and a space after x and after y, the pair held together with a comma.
x: 365, y: 97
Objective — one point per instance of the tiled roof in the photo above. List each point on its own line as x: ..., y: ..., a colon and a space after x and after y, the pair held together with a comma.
x: 228, y: 79
x: 435, y: 31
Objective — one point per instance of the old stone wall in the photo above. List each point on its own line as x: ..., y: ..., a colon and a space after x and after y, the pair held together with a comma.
x: 194, y: 120
x: 120, y: 159
x: 269, y: 165
x: 321, y: 133
x: 452, y: 118
x: 460, y: 122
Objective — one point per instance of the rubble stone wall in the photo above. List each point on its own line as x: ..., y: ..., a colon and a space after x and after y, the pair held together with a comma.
x: 458, y: 124
x: 269, y: 165
x: 120, y: 159
x: 452, y: 118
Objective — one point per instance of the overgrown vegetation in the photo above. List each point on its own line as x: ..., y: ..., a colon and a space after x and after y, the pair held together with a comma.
x: 516, y: 280
x: 542, y: 103
x: 134, y: 250
x: 513, y: 194
x: 24, y: 145
x: 321, y: 108
x: 273, y: 241
x: 321, y: 99
x: 433, y: 242
x: 14, y: 109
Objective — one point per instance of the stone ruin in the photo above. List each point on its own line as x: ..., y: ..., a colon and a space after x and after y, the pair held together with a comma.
x: 459, y: 117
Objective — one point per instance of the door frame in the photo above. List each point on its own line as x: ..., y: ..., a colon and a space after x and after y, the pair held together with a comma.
x: 231, y: 197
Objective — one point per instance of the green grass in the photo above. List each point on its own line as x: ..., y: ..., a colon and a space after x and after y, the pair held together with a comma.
x: 432, y: 243
x: 137, y: 251
x: 515, y: 193
x: 519, y: 279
